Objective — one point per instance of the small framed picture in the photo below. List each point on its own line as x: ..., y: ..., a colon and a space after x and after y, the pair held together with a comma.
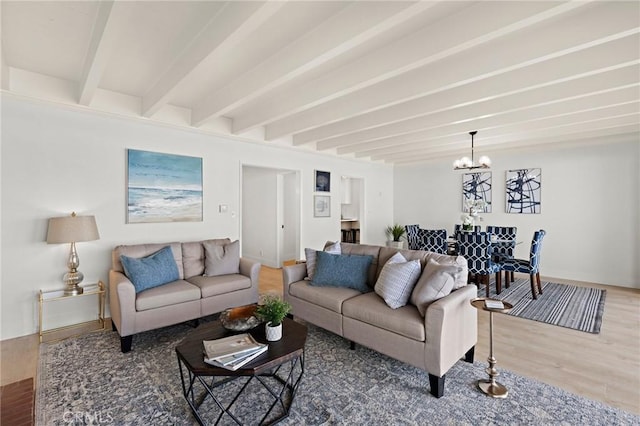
x: 321, y: 206
x: 323, y: 181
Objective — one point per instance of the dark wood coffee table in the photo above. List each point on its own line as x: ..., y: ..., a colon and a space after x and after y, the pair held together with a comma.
x: 201, y: 380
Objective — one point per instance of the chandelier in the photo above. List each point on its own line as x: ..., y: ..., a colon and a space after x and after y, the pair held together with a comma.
x: 466, y: 163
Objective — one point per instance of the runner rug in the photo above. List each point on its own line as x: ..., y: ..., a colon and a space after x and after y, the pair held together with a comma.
x: 87, y: 380
x: 579, y: 308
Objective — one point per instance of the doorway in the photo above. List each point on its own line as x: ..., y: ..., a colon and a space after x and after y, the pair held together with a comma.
x: 270, y: 206
x: 351, y: 209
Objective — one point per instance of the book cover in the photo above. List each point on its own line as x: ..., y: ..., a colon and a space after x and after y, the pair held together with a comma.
x: 234, y: 362
x: 230, y: 345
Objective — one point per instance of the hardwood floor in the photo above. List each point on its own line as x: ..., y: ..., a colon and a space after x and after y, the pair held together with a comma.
x: 604, y: 367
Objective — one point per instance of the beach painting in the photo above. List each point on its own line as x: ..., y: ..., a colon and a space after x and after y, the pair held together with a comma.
x: 163, y: 187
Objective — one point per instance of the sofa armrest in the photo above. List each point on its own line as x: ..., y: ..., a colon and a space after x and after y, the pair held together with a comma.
x: 292, y: 274
x: 451, y: 326
x: 122, y: 303
x: 251, y: 270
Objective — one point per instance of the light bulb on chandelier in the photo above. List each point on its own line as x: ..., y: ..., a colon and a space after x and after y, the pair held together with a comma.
x: 466, y: 163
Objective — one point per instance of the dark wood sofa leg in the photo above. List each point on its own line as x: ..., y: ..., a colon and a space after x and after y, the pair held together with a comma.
x: 468, y: 357
x: 113, y: 326
x: 352, y: 345
x: 125, y: 343
x: 437, y: 385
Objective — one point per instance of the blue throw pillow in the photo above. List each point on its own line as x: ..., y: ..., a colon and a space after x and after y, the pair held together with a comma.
x: 340, y: 270
x: 151, y: 271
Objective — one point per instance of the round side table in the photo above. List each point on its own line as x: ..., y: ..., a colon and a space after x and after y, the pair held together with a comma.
x: 490, y: 386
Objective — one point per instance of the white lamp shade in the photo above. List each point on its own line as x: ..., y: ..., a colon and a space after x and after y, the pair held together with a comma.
x: 72, y: 229
x: 485, y: 161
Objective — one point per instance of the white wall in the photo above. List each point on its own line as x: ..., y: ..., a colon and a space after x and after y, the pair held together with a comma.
x: 58, y: 159
x: 590, y: 208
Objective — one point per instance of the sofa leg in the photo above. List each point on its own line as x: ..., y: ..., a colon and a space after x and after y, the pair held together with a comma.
x: 113, y: 326
x: 468, y: 357
x: 194, y: 323
x: 352, y: 345
x: 125, y: 343
x: 437, y: 385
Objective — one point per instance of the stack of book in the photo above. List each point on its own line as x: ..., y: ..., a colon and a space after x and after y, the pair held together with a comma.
x: 232, y: 352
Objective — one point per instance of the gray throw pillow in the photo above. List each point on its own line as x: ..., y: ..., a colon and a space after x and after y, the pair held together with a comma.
x: 221, y: 259
x: 311, y: 256
x: 396, y: 280
x: 436, y: 281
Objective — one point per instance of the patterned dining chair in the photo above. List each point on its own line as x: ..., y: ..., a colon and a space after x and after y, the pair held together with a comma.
x: 530, y: 266
x: 413, y: 239
x: 505, y: 250
x: 434, y: 240
x: 476, y: 248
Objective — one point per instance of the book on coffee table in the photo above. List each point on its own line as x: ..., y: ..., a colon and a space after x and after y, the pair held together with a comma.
x: 235, y: 361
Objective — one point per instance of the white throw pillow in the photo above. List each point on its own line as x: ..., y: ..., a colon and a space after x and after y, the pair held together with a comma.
x: 310, y: 254
x: 396, y: 280
x: 221, y: 259
x: 436, y: 281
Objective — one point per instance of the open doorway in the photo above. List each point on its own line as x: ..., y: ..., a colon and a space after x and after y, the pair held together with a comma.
x: 351, y: 209
x: 270, y: 207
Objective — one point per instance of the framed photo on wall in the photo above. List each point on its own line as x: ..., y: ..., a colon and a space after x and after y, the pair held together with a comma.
x: 322, y: 181
x: 163, y: 187
x: 523, y: 190
x: 476, y: 192
x: 321, y: 206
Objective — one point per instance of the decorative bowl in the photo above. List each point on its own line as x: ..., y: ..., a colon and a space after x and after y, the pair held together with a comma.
x: 241, y: 318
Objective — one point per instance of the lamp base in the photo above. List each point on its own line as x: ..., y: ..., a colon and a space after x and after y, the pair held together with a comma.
x: 72, y: 279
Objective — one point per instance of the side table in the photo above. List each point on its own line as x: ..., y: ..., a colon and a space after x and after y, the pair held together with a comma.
x: 56, y: 295
x: 490, y: 386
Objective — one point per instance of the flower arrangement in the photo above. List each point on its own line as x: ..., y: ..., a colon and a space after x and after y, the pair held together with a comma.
x: 474, y: 207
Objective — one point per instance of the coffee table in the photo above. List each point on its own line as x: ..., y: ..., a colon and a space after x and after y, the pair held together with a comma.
x: 279, y: 371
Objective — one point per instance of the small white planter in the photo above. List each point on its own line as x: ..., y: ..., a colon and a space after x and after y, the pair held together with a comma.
x: 395, y: 244
x: 273, y: 333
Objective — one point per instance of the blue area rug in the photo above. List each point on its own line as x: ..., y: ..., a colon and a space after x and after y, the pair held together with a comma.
x: 578, y: 308
x: 87, y: 380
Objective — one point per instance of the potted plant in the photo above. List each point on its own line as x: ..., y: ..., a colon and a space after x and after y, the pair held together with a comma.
x: 273, y: 310
x: 395, y: 232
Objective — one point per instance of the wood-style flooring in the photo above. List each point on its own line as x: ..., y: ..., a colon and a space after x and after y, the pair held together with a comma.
x: 603, y: 367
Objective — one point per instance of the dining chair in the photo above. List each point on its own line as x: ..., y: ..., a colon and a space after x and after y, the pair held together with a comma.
x: 505, y: 250
x: 476, y: 248
x: 530, y: 266
x: 434, y: 240
x: 413, y: 239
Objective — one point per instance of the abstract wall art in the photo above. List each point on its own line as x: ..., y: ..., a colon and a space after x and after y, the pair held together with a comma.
x: 163, y: 187
x: 523, y: 191
x: 322, y: 181
x: 321, y: 206
x: 476, y: 192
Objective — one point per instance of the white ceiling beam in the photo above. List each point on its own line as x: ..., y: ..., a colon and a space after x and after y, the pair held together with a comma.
x: 349, y: 28
x: 454, y: 34
x: 596, y: 102
x: 498, y: 140
x: 557, y: 38
x: 111, y: 16
x: 595, y: 137
x: 466, y: 100
x: 233, y: 24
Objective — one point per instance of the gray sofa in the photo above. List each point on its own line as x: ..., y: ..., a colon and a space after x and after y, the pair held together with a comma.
x: 447, y: 333
x: 192, y: 296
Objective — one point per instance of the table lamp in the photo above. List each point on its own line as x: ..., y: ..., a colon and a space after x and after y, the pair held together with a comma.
x: 72, y: 229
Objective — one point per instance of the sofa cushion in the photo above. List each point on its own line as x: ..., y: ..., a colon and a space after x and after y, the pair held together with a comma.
x: 220, y: 284
x: 364, y: 250
x: 460, y: 278
x: 221, y: 259
x: 193, y: 255
x: 328, y: 297
x: 142, y: 250
x: 397, y: 279
x: 310, y: 255
x: 337, y: 270
x: 371, y: 309
x: 435, y: 282
x: 151, y: 271
x: 168, y: 294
